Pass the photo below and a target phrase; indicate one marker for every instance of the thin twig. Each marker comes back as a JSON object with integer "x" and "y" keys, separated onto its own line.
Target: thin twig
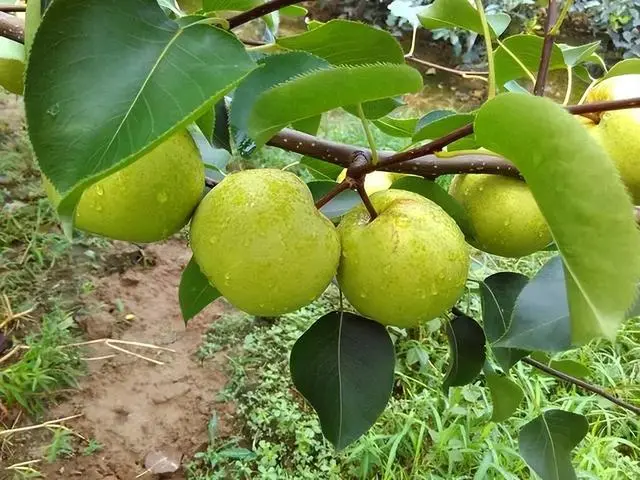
{"x": 462, "y": 73}
{"x": 11, "y": 353}
{"x": 367, "y": 132}
{"x": 13, "y": 8}
{"x": 488, "y": 42}
{"x": 339, "y": 188}
{"x": 122, "y": 342}
{"x": 367, "y": 201}
{"x": 582, "y": 384}
{"x": 128, "y": 352}
{"x": 606, "y": 106}
{"x": 547, "y": 46}
{"x": 259, "y": 11}
{"x": 40, "y": 425}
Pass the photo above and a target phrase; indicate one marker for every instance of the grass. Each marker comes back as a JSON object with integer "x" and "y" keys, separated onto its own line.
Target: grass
{"x": 423, "y": 434}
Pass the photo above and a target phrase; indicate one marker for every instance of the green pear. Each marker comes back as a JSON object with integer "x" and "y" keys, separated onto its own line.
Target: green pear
{"x": 408, "y": 265}
{"x": 146, "y": 201}
{"x": 11, "y": 66}
{"x": 261, "y": 242}
{"x": 505, "y": 218}
{"x": 618, "y": 131}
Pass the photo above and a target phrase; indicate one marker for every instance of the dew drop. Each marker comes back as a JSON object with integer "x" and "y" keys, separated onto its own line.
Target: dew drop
{"x": 98, "y": 208}
{"x": 227, "y": 277}
{"x": 363, "y": 295}
{"x": 507, "y": 223}
{"x": 99, "y": 190}
{"x": 434, "y": 293}
{"x": 162, "y": 197}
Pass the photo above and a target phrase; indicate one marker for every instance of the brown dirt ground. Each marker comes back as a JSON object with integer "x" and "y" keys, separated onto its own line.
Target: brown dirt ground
{"x": 129, "y": 405}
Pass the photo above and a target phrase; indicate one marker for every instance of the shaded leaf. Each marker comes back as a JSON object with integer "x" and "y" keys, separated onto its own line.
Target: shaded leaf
{"x": 377, "y": 108}
{"x": 324, "y": 90}
{"x": 221, "y": 137}
{"x": 85, "y": 122}
{"x": 571, "y": 367}
{"x": 343, "y": 365}
{"x": 397, "y": 127}
{"x": 595, "y": 234}
{"x": 343, "y": 42}
{"x": 438, "y": 195}
{"x": 429, "y": 130}
{"x": 576, "y": 55}
{"x": 320, "y": 169}
{"x": 308, "y": 125}
{"x": 213, "y": 158}
{"x": 506, "y": 396}
{"x": 546, "y": 443}
{"x": 340, "y": 204}
{"x": 461, "y": 14}
{"x": 195, "y": 291}
{"x": 466, "y": 349}
{"x": 274, "y": 70}
{"x": 528, "y": 49}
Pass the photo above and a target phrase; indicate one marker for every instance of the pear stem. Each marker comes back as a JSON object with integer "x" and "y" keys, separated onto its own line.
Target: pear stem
{"x": 545, "y": 58}
{"x": 366, "y": 200}
{"x": 346, "y": 184}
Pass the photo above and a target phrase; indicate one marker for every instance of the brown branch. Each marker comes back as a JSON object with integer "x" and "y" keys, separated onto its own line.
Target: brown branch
{"x": 547, "y": 46}
{"x": 11, "y": 27}
{"x": 259, "y": 11}
{"x": 367, "y": 201}
{"x": 13, "y": 8}
{"x": 582, "y": 384}
{"x": 346, "y": 184}
{"x": 606, "y": 106}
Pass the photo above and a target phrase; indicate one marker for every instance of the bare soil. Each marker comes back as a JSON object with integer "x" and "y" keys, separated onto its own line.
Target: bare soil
{"x": 132, "y": 406}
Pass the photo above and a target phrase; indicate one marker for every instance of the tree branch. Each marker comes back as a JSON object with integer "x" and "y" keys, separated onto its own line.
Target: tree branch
{"x": 367, "y": 201}
{"x": 582, "y": 384}
{"x": 13, "y": 8}
{"x": 259, "y": 11}
{"x": 11, "y": 27}
{"x": 346, "y": 184}
{"x": 547, "y": 45}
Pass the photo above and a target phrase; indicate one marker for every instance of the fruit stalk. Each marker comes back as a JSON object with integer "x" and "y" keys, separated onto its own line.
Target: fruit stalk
{"x": 11, "y": 27}
{"x": 339, "y": 188}
{"x": 260, "y": 11}
{"x": 366, "y": 200}
{"x": 545, "y": 58}
{"x": 13, "y": 8}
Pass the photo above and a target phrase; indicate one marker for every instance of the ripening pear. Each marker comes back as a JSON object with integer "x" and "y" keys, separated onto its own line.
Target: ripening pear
{"x": 406, "y": 266}
{"x": 261, "y": 242}
{"x": 505, "y": 218}
{"x": 11, "y": 66}
{"x": 618, "y": 131}
{"x": 374, "y": 181}
{"x": 148, "y": 200}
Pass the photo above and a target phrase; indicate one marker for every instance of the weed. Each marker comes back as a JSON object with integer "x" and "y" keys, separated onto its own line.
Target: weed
{"x": 92, "y": 447}
{"x": 60, "y": 446}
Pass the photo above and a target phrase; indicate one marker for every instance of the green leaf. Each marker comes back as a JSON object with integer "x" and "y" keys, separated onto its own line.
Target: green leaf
{"x": 546, "y": 443}
{"x": 438, "y": 195}
{"x": 323, "y": 90}
{"x": 320, "y": 169}
{"x": 595, "y": 234}
{"x": 625, "y": 67}
{"x": 461, "y": 14}
{"x": 528, "y": 49}
{"x": 33, "y": 17}
{"x": 12, "y": 71}
{"x": 377, "y": 108}
{"x": 430, "y": 127}
{"x": 571, "y": 367}
{"x": 397, "y": 127}
{"x": 237, "y": 453}
{"x": 342, "y": 42}
{"x": 308, "y": 125}
{"x": 343, "y": 365}
{"x": 498, "y": 294}
{"x": 229, "y": 5}
{"x": 195, "y": 291}
{"x": 294, "y": 11}
{"x": 91, "y": 111}
{"x": 506, "y": 396}
{"x": 466, "y": 350}
{"x": 274, "y": 70}
{"x": 580, "y": 54}
{"x": 337, "y": 206}
{"x": 221, "y": 137}
{"x": 214, "y": 159}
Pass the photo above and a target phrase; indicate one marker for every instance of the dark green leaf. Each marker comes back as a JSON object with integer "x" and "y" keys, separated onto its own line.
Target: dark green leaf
{"x": 576, "y": 55}
{"x": 439, "y": 195}
{"x": 221, "y": 137}
{"x": 397, "y": 127}
{"x": 343, "y": 365}
{"x": 625, "y": 67}
{"x": 595, "y": 234}
{"x": 308, "y": 125}
{"x": 206, "y": 123}
{"x": 498, "y": 294}
{"x": 506, "y": 396}
{"x": 546, "y": 443}
{"x": 528, "y": 49}
{"x": 237, "y": 453}
{"x": 466, "y": 349}
{"x": 540, "y": 319}
{"x": 323, "y": 90}
{"x": 195, "y": 291}
{"x": 433, "y": 116}
{"x": 342, "y": 42}
{"x": 339, "y": 205}
{"x": 274, "y": 70}
{"x": 429, "y": 130}
{"x": 462, "y": 14}
{"x": 377, "y": 108}
{"x": 320, "y": 169}
{"x": 91, "y": 111}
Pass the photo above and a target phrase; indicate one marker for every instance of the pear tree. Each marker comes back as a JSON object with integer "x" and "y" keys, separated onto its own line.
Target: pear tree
{"x": 136, "y": 107}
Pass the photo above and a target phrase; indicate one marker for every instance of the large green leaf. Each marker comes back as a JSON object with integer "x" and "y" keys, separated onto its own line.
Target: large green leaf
{"x": 625, "y": 67}
{"x": 498, "y": 294}
{"x": 195, "y": 291}
{"x": 323, "y": 90}
{"x": 274, "y": 70}
{"x": 596, "y": 235}
{"x": 343, "y": 365}
{"x": 397, "y": 127}
{"x": 108, "y": 81}
{"x": 337, "y": 206}
{"x": 462, "y": 14}
{"x": 528, "y": 49}
{"x": 540, "y": 319}
{"x": 342, "y": 42}
{"x": 506, "y": 396}
{"x": 466, "y": 350}
{"x": 546, "y": 443}
{"x": 438, "y": 195}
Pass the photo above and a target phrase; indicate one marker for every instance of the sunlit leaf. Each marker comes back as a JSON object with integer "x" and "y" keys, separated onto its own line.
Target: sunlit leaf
{"x": 320, "y": 169}
{"x": 462, "y": 14}
{"x": 528, "y": 49}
